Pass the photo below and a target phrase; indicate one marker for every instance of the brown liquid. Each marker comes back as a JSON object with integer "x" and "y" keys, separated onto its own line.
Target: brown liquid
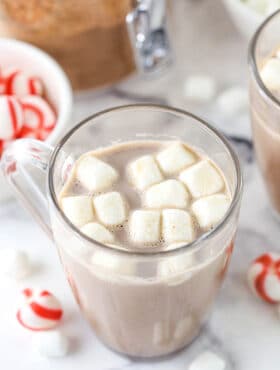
{"x": 265, "y": 118}
{"x": 141, "y": 312}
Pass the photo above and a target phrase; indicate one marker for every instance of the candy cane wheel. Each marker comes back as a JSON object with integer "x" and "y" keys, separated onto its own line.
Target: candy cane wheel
{"x": 20, "y": 84}
{"x": 39, "y": 311}
{"x": 264, "y": 277}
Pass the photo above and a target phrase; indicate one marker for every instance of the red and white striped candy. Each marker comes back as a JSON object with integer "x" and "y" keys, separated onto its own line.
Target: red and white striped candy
{"x": 20, "y": 84}
{"x": 37, "y": 113}
{"x": 264, "y": 277}
{"x": 11, "y": 117}
{"x": 2, "y": 84}
{"x": 39, "y": 311}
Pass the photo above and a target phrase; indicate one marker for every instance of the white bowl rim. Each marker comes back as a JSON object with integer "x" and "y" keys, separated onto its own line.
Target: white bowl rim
{"x": 63, "y": 81}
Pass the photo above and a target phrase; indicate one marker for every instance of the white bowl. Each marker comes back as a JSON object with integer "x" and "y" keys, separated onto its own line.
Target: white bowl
{"x": 245, "y": 18}
{"x": 59, "y": 92}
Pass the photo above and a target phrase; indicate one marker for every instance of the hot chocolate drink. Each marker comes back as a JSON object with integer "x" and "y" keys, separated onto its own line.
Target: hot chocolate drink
{"x": 140, "y": 202}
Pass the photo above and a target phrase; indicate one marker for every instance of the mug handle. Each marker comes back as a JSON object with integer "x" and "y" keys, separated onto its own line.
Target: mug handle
{"x": 25, "y": 165}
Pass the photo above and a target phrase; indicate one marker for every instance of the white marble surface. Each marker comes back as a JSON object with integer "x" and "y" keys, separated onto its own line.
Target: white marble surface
{"x": 245, "y": 331}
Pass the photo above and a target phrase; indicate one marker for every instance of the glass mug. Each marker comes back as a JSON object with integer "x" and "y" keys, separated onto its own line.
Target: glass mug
{"x": 265, "y": 109}
{"x": 132, "y": 308}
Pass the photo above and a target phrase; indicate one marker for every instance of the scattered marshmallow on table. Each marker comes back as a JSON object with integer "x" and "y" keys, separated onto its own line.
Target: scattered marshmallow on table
{"x": 11, "y": 117}
{"x": 52, "y": 343}
{"x": 78, "y": 209}
{"x": 174, "y": 158}
{"x": 177, "y": 226}
{"x": 95, "y": 175}
{"x": 98, "y": 232}
{"x": 14, "y": 263}
{"x": 110, "y": 208}
{"x": 208, "y": 361}
{"x": 169, "y": 193}
{"x": 144, "y": 226}
{"x": 113, "y": 263}
{"x": 144, "y": 172}
{"x": 264, "y": 277}
{"x": 270, "y": 73}
{"x": 233, "y": 100}
{"x": 210, "y": 210}
{"x": 201, "y": 88}
{"x": 40, "y": 310}
{"x": 202, "y": 179}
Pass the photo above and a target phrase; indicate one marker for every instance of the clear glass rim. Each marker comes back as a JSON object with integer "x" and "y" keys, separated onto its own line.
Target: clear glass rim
{"x": 252, "y": 58}
{"x": 166, "y": 109}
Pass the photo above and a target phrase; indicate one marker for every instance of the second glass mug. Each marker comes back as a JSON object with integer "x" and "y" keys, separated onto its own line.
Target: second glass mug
{"x": 265, "y": 108}
{"x": 132, "y": 308}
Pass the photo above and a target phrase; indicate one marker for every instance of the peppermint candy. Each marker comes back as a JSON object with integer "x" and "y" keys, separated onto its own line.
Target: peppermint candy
{"x": 39, "y": 311}
{"x": 11, "y": 117}
{"x": 20, "y": 84}
{"x": 38, "y": 117}
{"x": 264, "y": 277}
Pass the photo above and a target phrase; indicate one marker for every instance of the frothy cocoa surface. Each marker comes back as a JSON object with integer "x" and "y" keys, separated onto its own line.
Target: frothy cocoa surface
{"x": 120, "y": 156}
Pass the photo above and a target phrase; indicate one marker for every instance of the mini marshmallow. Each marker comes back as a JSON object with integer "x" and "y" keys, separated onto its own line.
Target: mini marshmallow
{"x": 11, "y": 117}
{"x": 113, "y": 263}
{"x": 95, "y": 175}
{"x": 202, "y": 179}
{"x": 233, "y": 100}
{"x": 210, "y": 210}
{"x": 270, "y": 73}
{"x": 14, "y": 263}
{"x": 144, "y": 227}
{"x": 174, "y": 158}
{"x": 52, "y": 343}
{"x": 78, "y": 209}
{"x": 98, "y": 232}
{"x": 201, "y": 88}
{"x": 177, "y": 226}
{"x": 110, "y": 208}
{"x": 169, "y": 193}
{"x": 144, "y": 172}
{"x": 208, "y": 361}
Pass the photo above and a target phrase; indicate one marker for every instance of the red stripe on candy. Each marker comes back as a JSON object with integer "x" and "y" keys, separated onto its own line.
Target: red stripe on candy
{"x": 45, "y": 293}
{"x": 9, "y": 83}
{"x": 266, "y": 261}
{"x": 31, "y": 86}
{"x": 29, "y": 327}
{"x": 46, "y": 313}
{"x": 27, "y": 292}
